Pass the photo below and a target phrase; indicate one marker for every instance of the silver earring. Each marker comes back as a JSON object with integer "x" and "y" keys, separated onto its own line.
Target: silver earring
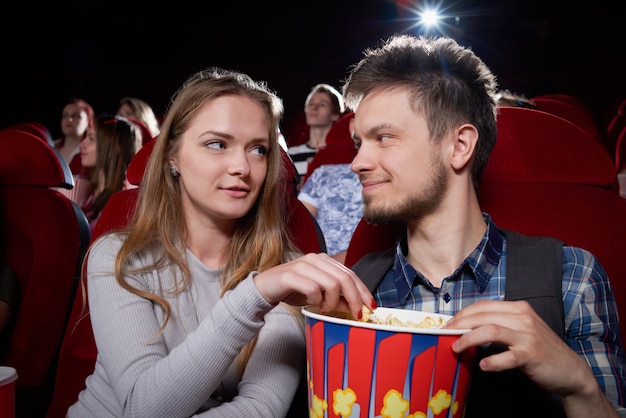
{"x": 173, "y": 171}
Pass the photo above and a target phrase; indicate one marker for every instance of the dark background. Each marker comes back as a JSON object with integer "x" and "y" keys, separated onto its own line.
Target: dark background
{"x": 105, "y": 50}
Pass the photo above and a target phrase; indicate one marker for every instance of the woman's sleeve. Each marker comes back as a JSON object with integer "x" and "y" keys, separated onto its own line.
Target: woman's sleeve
{"x": 273, "y": 372}
{"x": 151, "y": 379}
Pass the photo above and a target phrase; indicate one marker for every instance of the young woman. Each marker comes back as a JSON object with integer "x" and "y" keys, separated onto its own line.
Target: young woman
{"x": 76, "y": 119}
{"x": 136, "y": 109}
{"x": 106, "y": 150}
{"x": 186, "y": 303}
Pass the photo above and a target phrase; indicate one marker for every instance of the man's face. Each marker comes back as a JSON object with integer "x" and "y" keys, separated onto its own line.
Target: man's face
{"x": 400, "y": 168}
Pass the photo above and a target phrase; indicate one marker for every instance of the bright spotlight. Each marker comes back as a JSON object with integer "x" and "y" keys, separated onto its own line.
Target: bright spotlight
{"x": 429, "y": 18}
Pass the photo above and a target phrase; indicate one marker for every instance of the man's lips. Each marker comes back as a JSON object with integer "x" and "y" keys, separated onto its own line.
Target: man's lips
{"x": 372, "y": 184}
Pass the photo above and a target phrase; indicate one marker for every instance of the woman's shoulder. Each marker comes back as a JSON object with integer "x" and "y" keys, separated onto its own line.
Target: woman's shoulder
{"x": 105, "y": 246}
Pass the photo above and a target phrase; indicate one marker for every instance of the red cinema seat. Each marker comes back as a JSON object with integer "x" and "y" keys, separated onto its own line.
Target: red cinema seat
{"x": 36, "y": 128}
{"x": 616, "y": 126}
{"x": 567, "y": 98}
{"x": 545, "y": 177}
{"x": 575, "y": 113}
{"x": 46, "y": 238}
{"x": 339, "y": 147}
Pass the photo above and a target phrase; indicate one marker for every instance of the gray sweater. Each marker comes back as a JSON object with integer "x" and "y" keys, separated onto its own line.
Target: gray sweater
{"x": 191, "y": 366}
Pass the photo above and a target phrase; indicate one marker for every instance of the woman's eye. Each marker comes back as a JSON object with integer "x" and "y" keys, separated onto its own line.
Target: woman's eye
{"x": 218, "y": 145}
{"x": 260, "y": 150}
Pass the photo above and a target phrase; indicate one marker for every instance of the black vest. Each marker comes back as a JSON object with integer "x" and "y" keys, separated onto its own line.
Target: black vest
{"x": 534, "y": 272}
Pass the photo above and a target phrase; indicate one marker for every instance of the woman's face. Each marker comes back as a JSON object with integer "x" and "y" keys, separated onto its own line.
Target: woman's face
{"x": 222, "y": 161}
{"x": 126, "y": 111}
{"x": 88, "y": 149}
{"x": 74, "y": 120}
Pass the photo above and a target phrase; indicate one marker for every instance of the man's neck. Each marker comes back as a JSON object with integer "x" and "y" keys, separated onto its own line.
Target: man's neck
{"x": 317, "y": 136}
{"x": 438, "y": 245}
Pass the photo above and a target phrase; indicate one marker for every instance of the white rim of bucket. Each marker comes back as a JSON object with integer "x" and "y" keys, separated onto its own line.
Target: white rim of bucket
{"x": 7, "y": 375}
{"x": 402, "y": 314}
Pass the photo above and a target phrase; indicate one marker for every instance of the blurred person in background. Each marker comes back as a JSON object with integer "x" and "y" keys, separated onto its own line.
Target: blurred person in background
{"x": 133, "y": 108}
{"x": 332, "y": 193}
{"x": 77, "y": 117}
{"x": 323, "y": 107}
{"x": 107, "y": 151}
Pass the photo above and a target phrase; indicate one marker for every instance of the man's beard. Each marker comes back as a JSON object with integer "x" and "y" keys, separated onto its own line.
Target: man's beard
{"x": 413, "y": 207}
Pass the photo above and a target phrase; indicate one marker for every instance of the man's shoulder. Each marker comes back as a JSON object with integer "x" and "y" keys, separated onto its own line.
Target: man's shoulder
{"x": 372, "y": 267}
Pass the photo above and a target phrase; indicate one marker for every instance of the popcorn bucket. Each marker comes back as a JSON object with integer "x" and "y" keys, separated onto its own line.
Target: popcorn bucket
{"x": 8, "y": 376}
{"x": 365, "y": 370}
{"x": 79, "y": 193}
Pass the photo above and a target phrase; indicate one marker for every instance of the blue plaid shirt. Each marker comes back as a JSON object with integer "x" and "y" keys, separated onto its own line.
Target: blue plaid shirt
{"x": 591, "y": 318}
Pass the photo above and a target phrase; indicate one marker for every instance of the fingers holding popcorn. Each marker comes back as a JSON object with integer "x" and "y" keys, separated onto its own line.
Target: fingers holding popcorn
{"x": 315, "y": 279}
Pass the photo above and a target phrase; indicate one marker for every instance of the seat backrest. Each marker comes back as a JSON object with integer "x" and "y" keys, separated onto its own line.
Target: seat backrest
{"x": 369, "y": 238}
{"x": 620, "y": 162}
{"x": 564, "y": 190}
{"x": 136, "y": 167}
{"x": 581, "y": 117}
{"x": 339, "y": 147}
{"x": 567, "y": 98}
{"x": 47, "y": 236}
{"x": 620, "y": 151}
{"x": 616, "y": 125}
{"x": 539, "y": 147}
{"x": 36, "y": 128}
{"x": 79, "y": 352}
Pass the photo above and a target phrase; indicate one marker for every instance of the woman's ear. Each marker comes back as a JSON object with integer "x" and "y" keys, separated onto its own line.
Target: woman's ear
{"x": 464, "y": 145}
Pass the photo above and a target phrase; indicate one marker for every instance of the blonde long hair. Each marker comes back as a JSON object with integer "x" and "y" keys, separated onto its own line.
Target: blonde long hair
{"x": 260, "y": 241}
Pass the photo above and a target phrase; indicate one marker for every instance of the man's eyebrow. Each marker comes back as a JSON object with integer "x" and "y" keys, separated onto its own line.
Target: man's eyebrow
{"x": 373, "y": 130}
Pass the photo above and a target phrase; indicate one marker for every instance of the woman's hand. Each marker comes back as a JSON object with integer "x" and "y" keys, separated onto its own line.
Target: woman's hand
{"x": 315, "y": 279}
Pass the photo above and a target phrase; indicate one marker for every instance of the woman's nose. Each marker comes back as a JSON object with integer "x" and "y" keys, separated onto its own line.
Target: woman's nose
{"x": 239, "y": 164}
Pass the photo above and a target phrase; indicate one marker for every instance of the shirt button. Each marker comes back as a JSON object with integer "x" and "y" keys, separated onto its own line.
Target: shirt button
{"x": 447, "y": 297}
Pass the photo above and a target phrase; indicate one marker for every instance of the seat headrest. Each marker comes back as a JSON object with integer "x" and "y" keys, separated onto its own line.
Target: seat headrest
{"x": 538, "y": 147}
{"x": 26, "y": 160}
{"x": 137, "y": 165}
{"x": 340, "y": 131}
{"x": 36, "y": 128}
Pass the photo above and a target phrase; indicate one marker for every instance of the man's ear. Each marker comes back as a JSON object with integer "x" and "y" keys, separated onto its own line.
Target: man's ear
{"x": 466, "y": 137}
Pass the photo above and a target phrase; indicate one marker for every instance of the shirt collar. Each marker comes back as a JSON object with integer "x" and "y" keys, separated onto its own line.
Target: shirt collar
{"x": 482, "y": 262}
{"x": 485, "y": 258}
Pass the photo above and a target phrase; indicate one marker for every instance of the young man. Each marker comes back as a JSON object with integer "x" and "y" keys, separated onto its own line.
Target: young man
{"x": 323, "y": 107}
{"x": 425, "y": 125}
